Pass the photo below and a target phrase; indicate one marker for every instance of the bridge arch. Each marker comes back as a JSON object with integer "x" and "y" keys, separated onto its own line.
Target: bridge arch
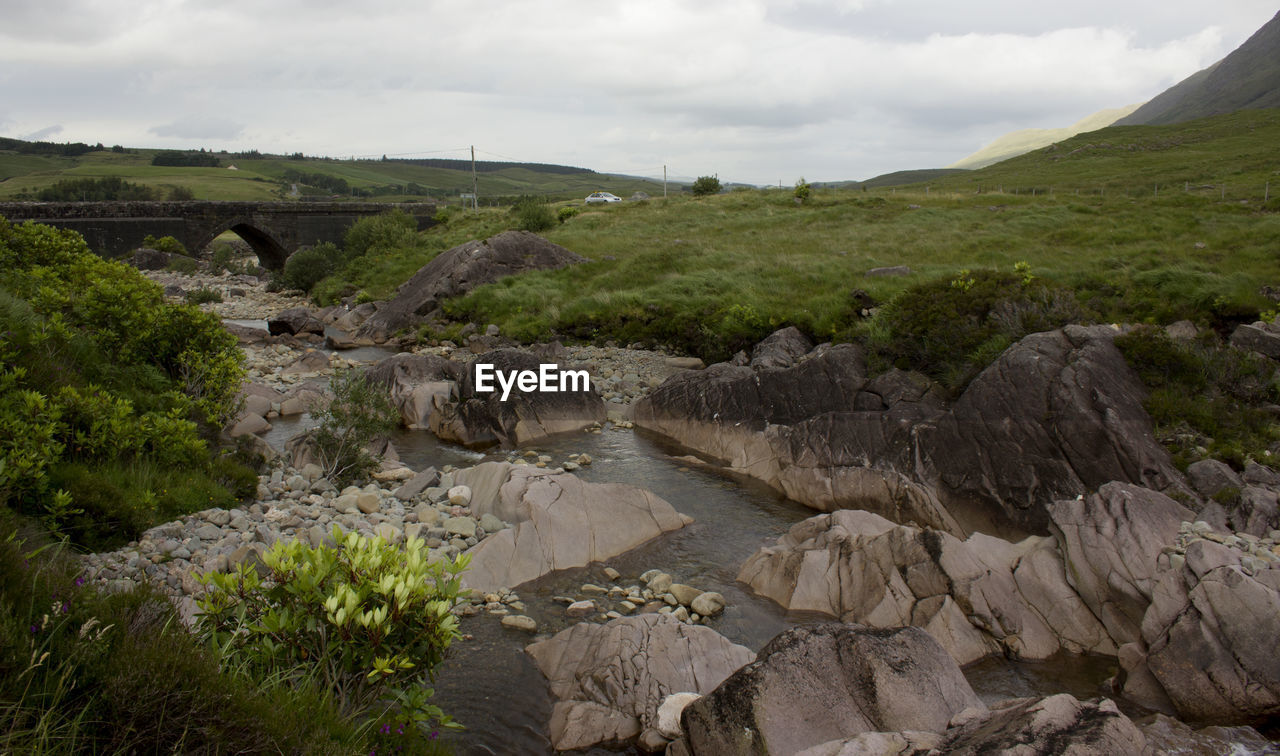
{"x": 271, "y": 251}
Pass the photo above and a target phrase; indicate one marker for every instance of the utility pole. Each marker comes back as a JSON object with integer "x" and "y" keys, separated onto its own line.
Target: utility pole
{"x": 475, "y": 183}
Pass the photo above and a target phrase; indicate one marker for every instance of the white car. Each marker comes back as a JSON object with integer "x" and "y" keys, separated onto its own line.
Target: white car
{"x": 596, "y": 198}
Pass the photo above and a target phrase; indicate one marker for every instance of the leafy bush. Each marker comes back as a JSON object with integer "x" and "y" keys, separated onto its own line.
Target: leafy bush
{"x": 380, "y": 234}
{"x": 950, "y": 329}
{"x": 704, "y": 185}
{"x": 1207, "y": 399}
{"x": 167, "y": 244}
{"x": 83, "y": 672}
{"x": 370, "y": 621}
{"x": 803, "y": 190}
{"x": 202, "y": 295}
{"x": 360, "y": 413}
{"x": 112, "y": 377}
{"x": 184, "y": 265}
{"x": 533, "y": 214}
{"x": 306, "y": 267}
{"x": 567, "y": 212}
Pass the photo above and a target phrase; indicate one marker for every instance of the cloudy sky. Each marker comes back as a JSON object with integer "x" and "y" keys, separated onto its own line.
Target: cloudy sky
{"x": 757, "y": 91}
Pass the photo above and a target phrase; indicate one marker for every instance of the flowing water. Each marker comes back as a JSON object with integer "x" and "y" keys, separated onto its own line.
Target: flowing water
{"x": 493, "y": 688}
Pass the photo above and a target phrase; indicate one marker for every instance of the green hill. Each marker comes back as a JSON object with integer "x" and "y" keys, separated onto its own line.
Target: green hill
{"x": 1021, "y": 142}
{"x": 1230, "y": 156}
{"x": 1247, "y": 78}
{"x": 27, "y": 168}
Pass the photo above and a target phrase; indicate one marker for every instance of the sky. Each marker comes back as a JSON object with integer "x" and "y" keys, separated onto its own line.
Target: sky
{"x": 753, "y": 91}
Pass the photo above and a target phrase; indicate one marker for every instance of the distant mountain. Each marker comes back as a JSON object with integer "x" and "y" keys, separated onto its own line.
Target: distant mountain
{"x": 1247, "y": 78}
{"x": 1021, "y": 142}
{"x": 897, "y": 178}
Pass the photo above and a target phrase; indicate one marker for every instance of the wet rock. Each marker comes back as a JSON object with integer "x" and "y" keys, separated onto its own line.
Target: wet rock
{"x": 1260, "y": 337}
{"x": 559, "y": 521}
{"x": 483, "y": 418}
{"x": 295, "y": 321}
{"x": 610, "y": 679}
{"x": 1111, "y": 540}
{"x": 1207, "y": 645}
{"x": 1056, "y": 724}
{"x": 1209, "y": 476}
{"x": 813, "y": 685}
{"x": 975, "y": 597}
{"x": 520, "y": 622}
{"x": 417, "y": 384}
{"x": 810, "y": 432}
{"x": 781, "y": 349}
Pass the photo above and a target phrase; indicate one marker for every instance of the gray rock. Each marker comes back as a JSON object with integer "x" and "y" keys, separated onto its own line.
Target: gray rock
{"x": 610, "y": 679}
{"x": 708, "y": 604}
{"x": 367, "y": 502}
{"x": 669, "y": 712}
{"x": 460, "y": 526}
{"x": 781, "y": 349}
{"x": 1259, "y": 337}
{"x": 559, "y": 521}
{"x": 1056, "y": 724}
{"x": 520, "y": 622}
{"x": 482, "y": 418}
{"x": 813, "y": 685}
{"x": 1209, "y": 476}
{"x": 295, "y": 321}
{"x": 417, "y": 484}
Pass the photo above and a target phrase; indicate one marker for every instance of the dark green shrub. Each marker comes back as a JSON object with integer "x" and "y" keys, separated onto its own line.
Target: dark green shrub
{"x": 533, "y": 215}
{"x": 803, "y": 190}
{"x": 950, "y": 329}
{"x": 565, "y": 213}
{"x": 184, "y": 265}
{"x": 164, "y": 244}
{"x": 704, "y": 185}
{"x": 306, "y": 267}
{"x": 203, "y": 295}
{"x": 1208, "y": 399}
{"x": 380, "y": 233}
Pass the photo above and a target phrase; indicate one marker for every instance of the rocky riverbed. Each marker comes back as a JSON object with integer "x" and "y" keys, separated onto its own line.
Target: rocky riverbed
{"x": 1123, "y": 569}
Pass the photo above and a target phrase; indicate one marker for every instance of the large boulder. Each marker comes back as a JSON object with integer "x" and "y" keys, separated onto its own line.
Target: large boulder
{"x": 813, "y": 685}
{"x": 483, "y": 418}
{"x": 611, "y": 679}
{"x": 1111, "y": 541}
{"x": 1057, "y": 415}
{"x": 417, "y": 383}
{"x": 975, "y": 597}
{"x": 1208, "y": 640}
{"x": 459, "y": 270}
{"x": 294, "y": 321}
{"x": 560, "y": 521}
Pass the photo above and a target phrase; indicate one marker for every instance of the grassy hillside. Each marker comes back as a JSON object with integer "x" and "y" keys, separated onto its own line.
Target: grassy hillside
{"x": 1021, "y": 142}
{"x": 1247, "y": 78}
{"x": 1236, "y": 151}
{"x": 269, "y": 178}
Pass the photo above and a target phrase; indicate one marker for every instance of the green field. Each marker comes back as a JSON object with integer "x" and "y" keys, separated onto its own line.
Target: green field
{"x": 263, "y": 178}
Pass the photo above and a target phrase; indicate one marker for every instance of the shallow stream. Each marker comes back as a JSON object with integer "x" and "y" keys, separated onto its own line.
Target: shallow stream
{"x": 493, "y": 688}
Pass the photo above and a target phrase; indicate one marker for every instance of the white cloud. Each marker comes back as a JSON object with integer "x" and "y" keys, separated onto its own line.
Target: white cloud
{"x": 747, "y": 88}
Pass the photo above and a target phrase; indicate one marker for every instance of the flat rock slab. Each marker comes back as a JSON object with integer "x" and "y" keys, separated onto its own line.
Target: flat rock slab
{"x": 559, "y": 521}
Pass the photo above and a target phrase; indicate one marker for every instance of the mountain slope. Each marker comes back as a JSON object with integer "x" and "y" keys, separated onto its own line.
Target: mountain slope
{"x": 1247, "y": 78}
{"x": 1025, "y": 140}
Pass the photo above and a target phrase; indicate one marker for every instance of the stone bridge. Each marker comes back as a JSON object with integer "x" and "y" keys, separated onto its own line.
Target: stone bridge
{"x": 274, "y": 230}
